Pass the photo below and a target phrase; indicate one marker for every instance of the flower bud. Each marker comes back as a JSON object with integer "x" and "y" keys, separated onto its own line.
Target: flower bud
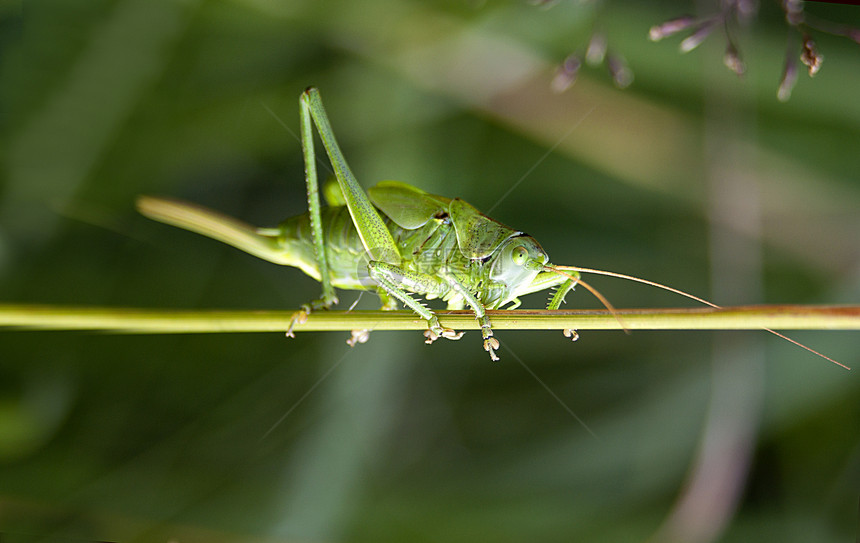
{"x": 622, "y": 76}
{"x": 673, "y": 26}
{"x": 810, "y": 55}
{"x": 596, "y": 51}
{"x": 732, "y": 60}
{"x": 566, "y": 74}
{"x": 793, "y": 11}
{"x": 789, "y": 78}
{"x": 696, "y": 38}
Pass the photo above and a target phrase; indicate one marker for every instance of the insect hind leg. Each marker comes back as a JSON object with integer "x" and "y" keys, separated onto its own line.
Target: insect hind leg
{"x": 387, "y": 302}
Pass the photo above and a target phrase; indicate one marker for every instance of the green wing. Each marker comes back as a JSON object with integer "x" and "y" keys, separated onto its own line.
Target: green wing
{"x": 409, "y": 207}
{"x": 478, "y": 236}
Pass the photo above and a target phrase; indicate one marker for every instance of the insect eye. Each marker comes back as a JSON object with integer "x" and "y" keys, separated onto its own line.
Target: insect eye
{"x": 519, "y": 255}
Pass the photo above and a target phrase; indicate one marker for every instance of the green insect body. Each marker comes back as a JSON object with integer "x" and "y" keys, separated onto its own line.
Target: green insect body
{"x": 395, "y": 239}
{"x": 400, "y": 241}
{"x": 429, "y": 244}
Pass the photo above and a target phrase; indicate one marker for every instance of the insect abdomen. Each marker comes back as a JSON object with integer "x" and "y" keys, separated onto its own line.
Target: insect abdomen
{"x": 342, "y": 245}
{"x": 423, "y": 249}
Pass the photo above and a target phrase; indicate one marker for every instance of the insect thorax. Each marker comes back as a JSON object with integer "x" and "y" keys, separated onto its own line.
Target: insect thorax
{"x": 430, "y": 249}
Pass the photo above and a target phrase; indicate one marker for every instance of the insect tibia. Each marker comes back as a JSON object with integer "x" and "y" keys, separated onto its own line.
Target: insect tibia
{"x": 559, "y": 292}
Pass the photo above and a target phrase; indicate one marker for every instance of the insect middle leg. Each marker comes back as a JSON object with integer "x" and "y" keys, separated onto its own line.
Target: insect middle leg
{"x": 398, "y": 283}
{"x": 491, "y": 344}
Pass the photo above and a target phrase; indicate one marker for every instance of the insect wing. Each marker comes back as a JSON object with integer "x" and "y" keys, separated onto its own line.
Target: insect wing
{"x": 407, "y": 206}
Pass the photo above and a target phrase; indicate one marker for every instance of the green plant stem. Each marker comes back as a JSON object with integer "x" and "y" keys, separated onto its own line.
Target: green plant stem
{"x": 160, "y": 321}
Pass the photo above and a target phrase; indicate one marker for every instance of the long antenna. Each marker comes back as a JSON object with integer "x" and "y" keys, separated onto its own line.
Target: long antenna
{"x": 686, "y": 295}
{"x": 596, "y": 293}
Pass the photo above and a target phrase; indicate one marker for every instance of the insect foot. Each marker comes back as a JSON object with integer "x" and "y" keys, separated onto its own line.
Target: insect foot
{"x": 491, "y": 345}
{"x": 435, "y": 332}
{"x": 299, "y": 317}
{"x": 358, "y": 336}
{"x": 572, "y": 334}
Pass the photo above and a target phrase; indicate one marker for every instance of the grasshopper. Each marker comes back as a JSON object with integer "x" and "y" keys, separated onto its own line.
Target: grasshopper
{"x": 395, "y": 239}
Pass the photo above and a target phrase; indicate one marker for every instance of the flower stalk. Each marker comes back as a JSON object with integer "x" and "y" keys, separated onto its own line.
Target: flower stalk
{"x": 166, "y": 321}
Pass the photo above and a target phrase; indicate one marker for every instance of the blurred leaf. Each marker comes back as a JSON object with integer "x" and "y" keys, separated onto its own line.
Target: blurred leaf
{"x": 175, "y": 438}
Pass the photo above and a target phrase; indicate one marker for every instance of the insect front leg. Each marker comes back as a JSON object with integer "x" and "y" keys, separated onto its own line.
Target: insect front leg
{"x": 398, "y": 283}
{"x": 515, "y": 303}
{"x": 558, "y": 299}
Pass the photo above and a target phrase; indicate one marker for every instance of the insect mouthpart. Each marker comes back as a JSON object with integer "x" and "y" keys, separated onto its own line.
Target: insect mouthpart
{"x": 536, "y": 264}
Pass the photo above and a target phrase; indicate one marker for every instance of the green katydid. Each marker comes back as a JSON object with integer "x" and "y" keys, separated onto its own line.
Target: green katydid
{"x": 420, "y": 244}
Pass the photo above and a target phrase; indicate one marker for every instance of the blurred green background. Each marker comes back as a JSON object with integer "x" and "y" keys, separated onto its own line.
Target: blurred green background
{"x": 692, "y": 177}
